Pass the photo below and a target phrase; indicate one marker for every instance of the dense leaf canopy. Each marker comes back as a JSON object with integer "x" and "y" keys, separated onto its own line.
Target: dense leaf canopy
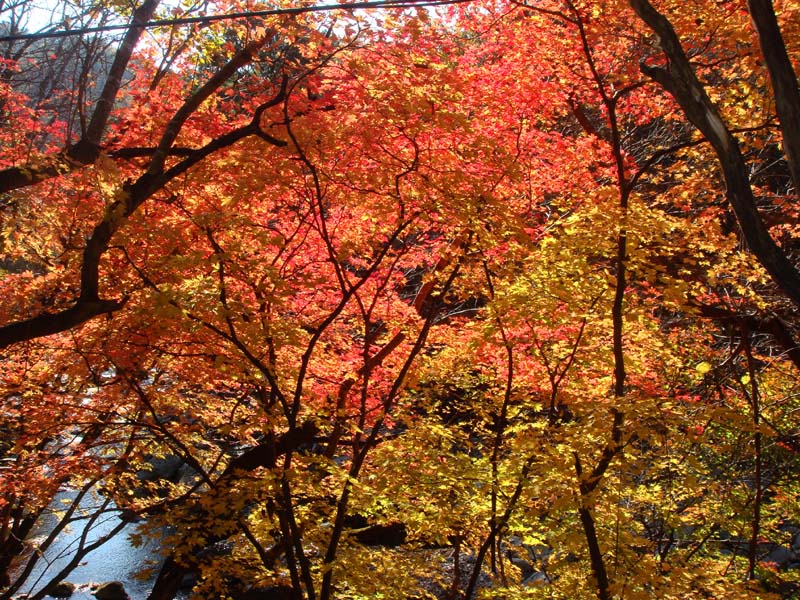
{"x": 473, "y": 299}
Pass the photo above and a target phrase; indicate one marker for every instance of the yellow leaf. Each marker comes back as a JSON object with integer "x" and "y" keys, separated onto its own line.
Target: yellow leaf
{"x": 703, "y": 367}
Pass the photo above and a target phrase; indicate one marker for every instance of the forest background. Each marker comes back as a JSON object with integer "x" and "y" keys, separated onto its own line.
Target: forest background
{"x": 491, "y": 298}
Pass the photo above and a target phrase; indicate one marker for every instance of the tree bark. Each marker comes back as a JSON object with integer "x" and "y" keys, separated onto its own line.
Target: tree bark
{"x": 86, "y": 150}
{"x": 88, "y": 304}
{"x": 784, "y": 81}
{"x": 680, "y": 80}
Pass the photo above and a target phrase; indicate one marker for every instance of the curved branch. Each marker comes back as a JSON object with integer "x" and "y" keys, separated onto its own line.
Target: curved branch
{"x": 680, "y": 80}
{"x": 86, "y": 150}
{"x": 50, "y": 323}
{"x": 89, "y": 304}
{"x": 173, "y": 128}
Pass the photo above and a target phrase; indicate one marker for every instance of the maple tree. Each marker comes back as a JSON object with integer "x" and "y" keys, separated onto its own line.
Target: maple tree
{"x": 427, "y": 302}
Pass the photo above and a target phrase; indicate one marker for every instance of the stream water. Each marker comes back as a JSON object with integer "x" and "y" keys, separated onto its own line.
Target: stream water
{"x": 116, "y": 560}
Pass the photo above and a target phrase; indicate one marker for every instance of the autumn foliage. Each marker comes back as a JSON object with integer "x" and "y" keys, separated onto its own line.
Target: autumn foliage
{"x": 481, "y": 299}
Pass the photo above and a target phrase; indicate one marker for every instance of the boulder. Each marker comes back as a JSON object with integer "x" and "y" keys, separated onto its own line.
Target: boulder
{"x": 780, "y": 556}
{"x": 188, "y": 581}
{"x": 113, "y": 590}
{"x": 539, "y": 578}
{"x": 525, "y": 568}
{"x": 274, "y": 592}
{"x": 161, "y": 467}
{"x": 389, "y": 535}
{"x": 63, "y": 589}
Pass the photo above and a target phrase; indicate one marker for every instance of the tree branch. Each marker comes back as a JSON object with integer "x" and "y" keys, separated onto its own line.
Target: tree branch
{"x": 680, "y": 80}
{"x": 784, "y": 81}
{"x": 86, "y": 150}
{"x": 50, "y": 323}
{"x": 88, "y": 304}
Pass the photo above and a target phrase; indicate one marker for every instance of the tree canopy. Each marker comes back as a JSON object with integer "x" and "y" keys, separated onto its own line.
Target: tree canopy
{"x": 473, "y": 299}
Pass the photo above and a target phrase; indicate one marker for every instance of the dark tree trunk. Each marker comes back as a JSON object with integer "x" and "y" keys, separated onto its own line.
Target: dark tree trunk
{"x": 680, "y": 80}
{"x": 784, "y": 81}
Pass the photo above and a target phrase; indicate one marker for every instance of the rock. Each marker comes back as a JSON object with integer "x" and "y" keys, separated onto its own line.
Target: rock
{"x": 796, "y": 542}
{"x": 537, "y": 579}
{"x": 786, "y": 589}
{"x": 188, "y": 581}
{"x": 274, "y": 592}
{"x": 113, "y": 590}
{"x": 525, "y": 568}
{"x": 167, "y": 467}
{"x": 780, "y": 556}
{"x": 63, "y": 589}
{"x": 389, "y": 535}
{"x": 156, "y": 472}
